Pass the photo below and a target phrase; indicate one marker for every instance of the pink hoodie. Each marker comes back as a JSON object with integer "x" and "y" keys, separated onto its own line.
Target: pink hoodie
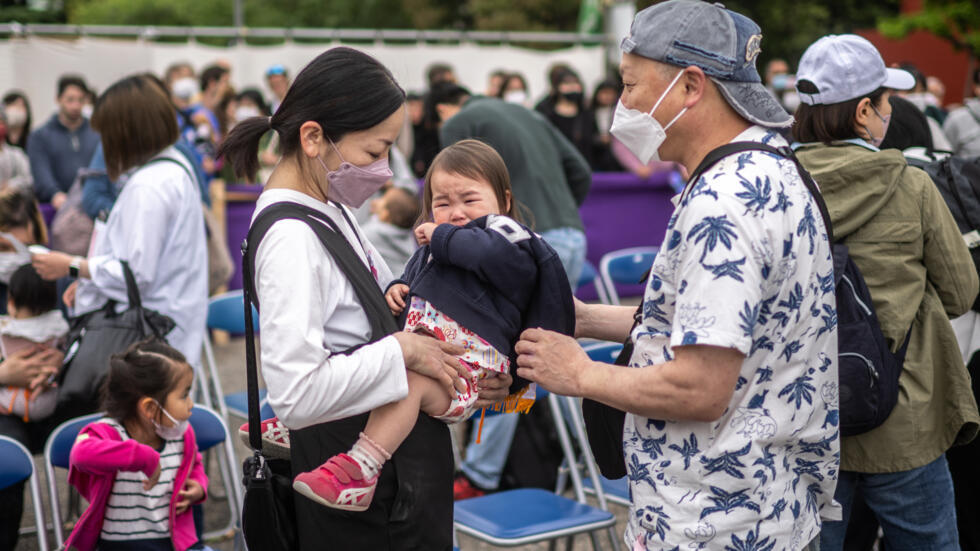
{"x": 98, "y": 454}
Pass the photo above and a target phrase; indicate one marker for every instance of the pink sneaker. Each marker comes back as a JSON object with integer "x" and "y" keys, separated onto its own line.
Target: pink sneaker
{"x": 275, "y": 438}
{"x": 338, "y": 483}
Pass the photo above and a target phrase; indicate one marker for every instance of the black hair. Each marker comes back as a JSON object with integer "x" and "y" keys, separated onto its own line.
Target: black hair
{"x": 146, "y": 368}
{"x": 10, "y": 98}
{"x": 920, "y": 79}
{"x": 908, "y": 126}
{"x": 608, "y": 84}
{"x": 255, "y": 97}
{"x": 343, "y": 90}
{"x": 29, "y": 291}
{"x": 71, "y": 80}
{"x": 828, "y": 123}
{"x": 403, "y": 207}
{"x": 435, "y": 73}
{"x": 441, "y": 94}
{"x": 976, "y": 79}
{"x": 212, "y": 73}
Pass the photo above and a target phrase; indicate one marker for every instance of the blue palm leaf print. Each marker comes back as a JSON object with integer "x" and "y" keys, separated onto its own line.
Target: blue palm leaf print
{"x": 726, "y": 502}
{"x": 790, "y": 349}
{"x": 639, "y": 471}
{"x": 826, "y": 282}
{"x": 794, "y": 301}
{"x": 806, "y": 468}
{"x": 713, "y": 230}
{"x": 818, "y": 448}
{"x": 812, "y": 493}
{"x": 782, "y": 200}
{"x": 653, "y": 447}
{"x": 756, "y": 195}
{"x": 651, "y": 309}
{"x": 688, "y": 450}
{"x": 762, "y": 343}
{"x": 829, "y": 319}
{"x": 767, "y": 463}
{"x": 751, "y": 542}
{"x": 777, "y": 509}
{"x": 808, "y": 227}
{"x": 744, "y": 159}
{"x": 728, "y": 268}
{"x": 674, "y": 240}
{"x": 749, "y": 316}
{"x": 764, "y": 373}
{"x": 765, "y": 309}
{"x": 798, "y": 391}
{"x": 700, "y": 188}
{"x": 727, "y": 462}
{"x": 758, "y": 400}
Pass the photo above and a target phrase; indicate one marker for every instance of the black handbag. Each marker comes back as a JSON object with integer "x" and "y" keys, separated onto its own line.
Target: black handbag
{"x": 95, "y": 336}
{"x": 269, "y": 513}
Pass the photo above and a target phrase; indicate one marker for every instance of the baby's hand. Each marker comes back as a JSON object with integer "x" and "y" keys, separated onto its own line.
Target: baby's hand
{"x": 423, "y": 233}
{"x": 152, "y": 481}
{"x": 396, "y": 298}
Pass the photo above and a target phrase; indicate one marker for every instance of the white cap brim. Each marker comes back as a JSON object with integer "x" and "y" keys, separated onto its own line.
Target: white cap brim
{"x": 897, "y": 79}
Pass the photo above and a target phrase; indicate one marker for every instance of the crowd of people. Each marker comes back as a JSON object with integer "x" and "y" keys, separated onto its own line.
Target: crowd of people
{"x": 432, "y": 301}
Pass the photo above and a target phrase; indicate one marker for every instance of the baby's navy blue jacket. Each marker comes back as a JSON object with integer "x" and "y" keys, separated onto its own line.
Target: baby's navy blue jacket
{"x": 494, "y": 277}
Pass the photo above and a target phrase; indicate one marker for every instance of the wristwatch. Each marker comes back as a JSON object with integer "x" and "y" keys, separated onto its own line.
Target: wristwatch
{"x": 73, "y": 267}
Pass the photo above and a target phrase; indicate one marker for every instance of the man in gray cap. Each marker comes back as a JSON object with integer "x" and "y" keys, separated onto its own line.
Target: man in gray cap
{"x": 730, "y": 438}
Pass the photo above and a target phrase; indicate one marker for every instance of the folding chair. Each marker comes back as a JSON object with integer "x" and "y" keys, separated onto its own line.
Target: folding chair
{"x": 626, "y": 267}
{"x": 210, "y": 430}
{"x": 590, "y": 275}
{"x": 226, "y": 313}
{"x": 57, "y": 450}
{"x": 528, "y": 515}
{"x": 18, "y": 466}
{"x": 617, "y": 491}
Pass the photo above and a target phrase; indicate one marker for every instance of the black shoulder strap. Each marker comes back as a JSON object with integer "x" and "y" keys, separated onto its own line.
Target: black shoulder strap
{"x": 365, "y": 287}
{"x": 717, "y": 154}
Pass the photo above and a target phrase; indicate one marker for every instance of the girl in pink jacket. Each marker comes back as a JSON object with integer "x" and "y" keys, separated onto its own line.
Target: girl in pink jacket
{"x": 138, "y": 466}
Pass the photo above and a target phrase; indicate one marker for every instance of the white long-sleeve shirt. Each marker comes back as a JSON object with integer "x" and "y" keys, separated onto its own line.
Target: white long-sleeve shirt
{"x": 310, "y": 314}
{"x": 157, "y": 226}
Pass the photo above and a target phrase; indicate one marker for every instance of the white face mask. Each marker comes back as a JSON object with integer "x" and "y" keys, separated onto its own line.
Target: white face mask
{"x": 246, "y": 111}
{"x": 15, "y": 116}
{"x": 169, "y": 433}
{"x": 515, "y": 96}
{"x": 185, "y": 88}
{"x": 640, "y": 132}
{"x": 10, "y": 261}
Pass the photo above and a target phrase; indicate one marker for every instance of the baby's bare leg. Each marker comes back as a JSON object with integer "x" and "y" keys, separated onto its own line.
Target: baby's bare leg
{"x": 390, "y": 424}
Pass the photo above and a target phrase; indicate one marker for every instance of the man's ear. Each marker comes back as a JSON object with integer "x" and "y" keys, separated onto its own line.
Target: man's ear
{"x": 694, "y": 82}
{"x": 311, "y": 138}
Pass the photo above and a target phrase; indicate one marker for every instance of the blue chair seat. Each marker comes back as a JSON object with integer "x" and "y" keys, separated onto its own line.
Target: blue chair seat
{"x": 526, "y": 515}
{"x": 209, "y": 431}
{"x": 238, "y": 405}
{"x": 617, "y": 491}
{"x": 17, "y": 464}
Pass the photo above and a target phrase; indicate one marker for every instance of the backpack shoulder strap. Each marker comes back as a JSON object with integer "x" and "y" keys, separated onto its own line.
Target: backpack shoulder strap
{"x": 719, "y": 153}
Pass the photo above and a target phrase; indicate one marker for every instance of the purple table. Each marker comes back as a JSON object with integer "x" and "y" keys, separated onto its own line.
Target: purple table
{"x": 621, "y": 211}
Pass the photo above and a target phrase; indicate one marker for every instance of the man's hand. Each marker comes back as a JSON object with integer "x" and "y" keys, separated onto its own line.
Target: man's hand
{"x": 552, "y": 360}
{"x": 396, "y": 298}
{"x": 493, "y": 389}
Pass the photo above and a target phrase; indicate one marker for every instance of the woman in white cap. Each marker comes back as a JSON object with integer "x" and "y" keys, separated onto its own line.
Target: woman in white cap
{"x": 918, "y": 271}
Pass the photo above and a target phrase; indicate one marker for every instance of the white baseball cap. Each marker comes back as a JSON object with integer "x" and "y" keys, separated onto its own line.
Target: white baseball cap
{"x": 845, "y": 67}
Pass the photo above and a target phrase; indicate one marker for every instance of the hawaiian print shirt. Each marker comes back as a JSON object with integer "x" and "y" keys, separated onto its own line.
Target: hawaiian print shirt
{"x": 745, "y": 264}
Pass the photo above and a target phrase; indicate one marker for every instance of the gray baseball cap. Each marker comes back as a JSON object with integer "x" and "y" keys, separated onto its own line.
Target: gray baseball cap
{"x": 724, "y": 44}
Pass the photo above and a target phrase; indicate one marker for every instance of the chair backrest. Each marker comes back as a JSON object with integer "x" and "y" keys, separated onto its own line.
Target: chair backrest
{"x": 606, "y": 352}
{"x": 626, "y": 267}
{"x": 17, "y": 464}
{"x": 209, "y": 429}
{"x": 227, "y": 313}
{"x": 588, "y": 275}
{"x": 57, "y": 449}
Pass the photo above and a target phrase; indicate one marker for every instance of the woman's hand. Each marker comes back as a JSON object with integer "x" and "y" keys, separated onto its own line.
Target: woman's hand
{"x": 69, "y": 296}
{"x": 493, "y": 389}
{"x": 51, "y": 266}
{"x": 423, "y": 233}
{"x": 30, "y": 367}
{"x": 436, "y": 359}
{"x": 396, "y": 298}
{"x": 191, "y": 494}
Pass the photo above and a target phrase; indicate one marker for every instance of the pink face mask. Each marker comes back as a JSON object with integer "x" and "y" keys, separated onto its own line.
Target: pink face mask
{"x": 350, "y": 184}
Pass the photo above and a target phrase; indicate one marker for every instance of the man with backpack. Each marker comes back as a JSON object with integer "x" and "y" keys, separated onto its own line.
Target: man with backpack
{"x": 731, "y": 431}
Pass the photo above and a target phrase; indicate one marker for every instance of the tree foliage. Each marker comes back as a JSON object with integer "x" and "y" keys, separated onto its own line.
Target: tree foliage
{"x": 957, "y": 21}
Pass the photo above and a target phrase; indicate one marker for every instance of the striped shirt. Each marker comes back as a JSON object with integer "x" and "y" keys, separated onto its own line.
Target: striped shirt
{"x": 133, "y": 513}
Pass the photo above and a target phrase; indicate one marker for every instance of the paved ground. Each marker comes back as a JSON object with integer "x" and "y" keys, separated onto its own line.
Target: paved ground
{"x": 231, "y": 363}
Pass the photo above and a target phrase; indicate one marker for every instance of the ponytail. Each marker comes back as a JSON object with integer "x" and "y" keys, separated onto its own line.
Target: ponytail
{"x": 241, "y": 146}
